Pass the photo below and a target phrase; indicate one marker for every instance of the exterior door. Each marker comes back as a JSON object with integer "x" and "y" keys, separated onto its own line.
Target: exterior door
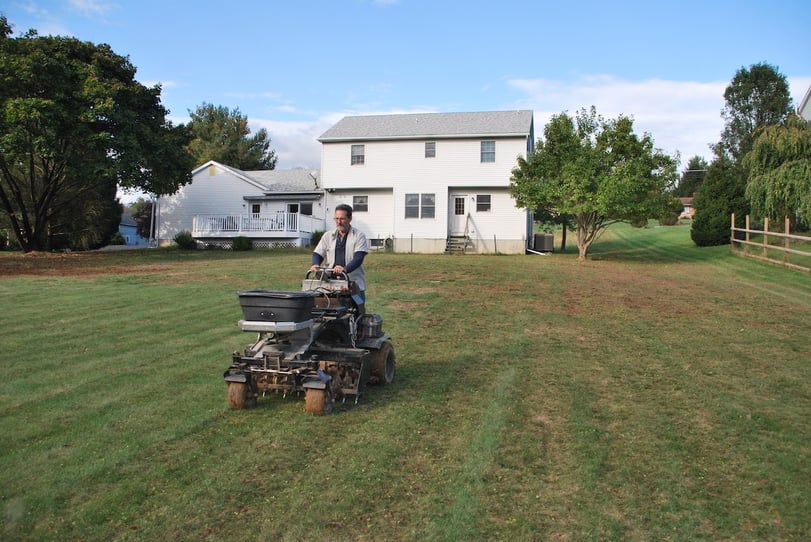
{"x": 457, "y": 214}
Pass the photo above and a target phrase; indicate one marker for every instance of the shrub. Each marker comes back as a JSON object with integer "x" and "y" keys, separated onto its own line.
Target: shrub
{"x": 316, "y": 237}
{"x": 242, "y": 243}
{"x": 639, "y": 222}
{"x": 185, "y": 241}
{"x": 669, "y": 219}
{"x": 117, "y": 239}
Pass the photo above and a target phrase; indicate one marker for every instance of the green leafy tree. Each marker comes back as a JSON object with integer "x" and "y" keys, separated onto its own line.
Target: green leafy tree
{"x": 691, "y": 178}
{"x": 144, "y": 221}
{"x": 223, "y": 136}
{"x": 87, "y": 222}
{"x": 779, "y": 167}
{"x": 756, "y": 97}
{"x": 595, "y": 170}
{"x": 74, "y": 124}
{"x": 721, "y": 194}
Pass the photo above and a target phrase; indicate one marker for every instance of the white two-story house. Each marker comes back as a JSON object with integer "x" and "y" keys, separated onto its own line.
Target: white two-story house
{"x": 431, "y": 182}
{"x": 272, "y": 208}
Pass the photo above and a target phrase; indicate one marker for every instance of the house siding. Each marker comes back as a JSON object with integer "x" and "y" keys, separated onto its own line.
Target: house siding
{"x": 221, "y": 193}
{"x": 389, "y": 163}
{"x": 401, "y": 167}
{"x": 501, "y": 217}
{"x": 377, "y": 222}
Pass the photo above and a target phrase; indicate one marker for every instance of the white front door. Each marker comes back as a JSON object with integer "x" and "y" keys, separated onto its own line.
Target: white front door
{"x": 457, "y": 214}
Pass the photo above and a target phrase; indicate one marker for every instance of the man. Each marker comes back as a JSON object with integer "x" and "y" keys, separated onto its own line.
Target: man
{"x": 343, "y": 250}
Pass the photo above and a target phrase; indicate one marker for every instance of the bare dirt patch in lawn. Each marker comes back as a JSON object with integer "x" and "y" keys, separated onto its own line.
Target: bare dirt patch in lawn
{"x": 71, "y": 264}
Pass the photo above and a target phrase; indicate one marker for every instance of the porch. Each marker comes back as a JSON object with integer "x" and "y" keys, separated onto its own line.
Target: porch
{"x": 290, "y": 229}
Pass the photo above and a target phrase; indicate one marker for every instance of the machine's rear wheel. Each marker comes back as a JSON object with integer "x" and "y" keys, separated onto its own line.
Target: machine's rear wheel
{"x": 383, "y": 365}
{"x": 238, "y": 395}
{"x": 317, "y": 401}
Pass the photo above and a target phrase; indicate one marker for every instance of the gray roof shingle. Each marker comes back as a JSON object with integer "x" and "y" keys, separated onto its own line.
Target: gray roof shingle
{"x": 431, "y": 125}
{"x": 285, "y": 180}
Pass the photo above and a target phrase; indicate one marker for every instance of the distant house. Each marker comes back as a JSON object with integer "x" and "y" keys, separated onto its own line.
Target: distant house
{"x": 273, "y": 208}
{"x": 687, "y": 208}
{"x": 129, "y": 231}
{"x": 432, "y": 182}
{"x": 804, "y": 109}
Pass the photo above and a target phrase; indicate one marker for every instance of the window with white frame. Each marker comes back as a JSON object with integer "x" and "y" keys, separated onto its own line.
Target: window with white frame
{"x": 358, "y": 155}
{"x": 488, "y": 151}
{"x": 430, "y": 149}
{"x": 420, "y": 205}
{"x": 360, "y": 204}
{"x": 482, "y": 203}
{"x": 255, "y": 208}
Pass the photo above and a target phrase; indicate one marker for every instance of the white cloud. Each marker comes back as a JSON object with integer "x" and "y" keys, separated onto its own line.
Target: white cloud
{"x": 683, "y": 116}
{"x": 91, "y": 7}
{"x": 295, "y": 142}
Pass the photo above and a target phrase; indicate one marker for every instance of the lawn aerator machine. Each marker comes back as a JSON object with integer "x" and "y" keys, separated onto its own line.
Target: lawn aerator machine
{"x": 318, "y": 341}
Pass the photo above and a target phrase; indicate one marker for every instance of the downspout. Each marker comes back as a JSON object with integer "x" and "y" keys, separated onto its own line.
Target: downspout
{"x": 152, "y": 226}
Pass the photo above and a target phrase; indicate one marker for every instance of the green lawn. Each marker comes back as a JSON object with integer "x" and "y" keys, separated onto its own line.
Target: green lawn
{"x": 657, "y": 391}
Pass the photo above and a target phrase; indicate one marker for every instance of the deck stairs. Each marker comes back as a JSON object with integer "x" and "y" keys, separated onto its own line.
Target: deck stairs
{"x": 458, "y": 244}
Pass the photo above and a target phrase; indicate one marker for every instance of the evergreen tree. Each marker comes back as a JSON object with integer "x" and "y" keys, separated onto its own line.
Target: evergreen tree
{"x": 755, "y": 98}
{"x": 721, "y": 194}
{"x": 691, "y": 178}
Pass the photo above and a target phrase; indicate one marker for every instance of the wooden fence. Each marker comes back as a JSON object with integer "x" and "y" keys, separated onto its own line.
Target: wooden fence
{"x": 756, "y": 244}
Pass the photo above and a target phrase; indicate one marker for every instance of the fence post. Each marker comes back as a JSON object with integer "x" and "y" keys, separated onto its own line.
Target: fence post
{"x": 766, "y": 237}
{"x": 732, "y": 234}
{"x": 786, "y": 240}
{"x": 746, "y": 246}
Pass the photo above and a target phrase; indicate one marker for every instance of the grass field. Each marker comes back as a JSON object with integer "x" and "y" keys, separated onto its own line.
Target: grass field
{"x": 657, "y": 391}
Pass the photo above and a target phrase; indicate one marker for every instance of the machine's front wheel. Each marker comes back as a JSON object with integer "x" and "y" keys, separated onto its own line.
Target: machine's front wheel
{"x": 238, "y": 395}
{"x": 317, "y": 401}
{"x": 383, "y": 365}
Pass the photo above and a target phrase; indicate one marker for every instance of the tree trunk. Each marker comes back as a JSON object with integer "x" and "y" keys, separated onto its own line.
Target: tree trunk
{"x": 582, "y": 242}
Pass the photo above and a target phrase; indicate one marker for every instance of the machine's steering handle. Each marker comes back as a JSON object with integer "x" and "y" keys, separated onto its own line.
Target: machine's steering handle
{"x": 323, "y": 272}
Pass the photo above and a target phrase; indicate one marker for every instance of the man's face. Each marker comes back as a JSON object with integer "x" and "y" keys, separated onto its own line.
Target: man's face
{"x": 342, "y": 221}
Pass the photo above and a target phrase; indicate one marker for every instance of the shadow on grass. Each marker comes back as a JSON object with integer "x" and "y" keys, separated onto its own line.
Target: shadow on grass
{"x": 658, "y": 245}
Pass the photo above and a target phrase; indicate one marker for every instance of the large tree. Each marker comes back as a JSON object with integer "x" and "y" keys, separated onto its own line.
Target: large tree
{"x": 74, "y": 124}
{"x": 595, "y": 170}
{"x": 224, "y": 136}
{"x": 756, "y": 97}
{"x": 779, "y": 167}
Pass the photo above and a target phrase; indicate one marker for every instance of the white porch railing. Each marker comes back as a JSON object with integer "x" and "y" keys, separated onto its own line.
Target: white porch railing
{"x": 271, "y": 223}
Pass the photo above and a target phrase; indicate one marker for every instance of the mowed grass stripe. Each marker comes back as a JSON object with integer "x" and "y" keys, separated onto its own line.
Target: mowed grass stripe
{"x": 656, "y": 395}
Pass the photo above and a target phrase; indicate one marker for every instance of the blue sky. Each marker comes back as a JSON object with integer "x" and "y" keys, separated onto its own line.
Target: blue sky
{"x": 297, "y": 67}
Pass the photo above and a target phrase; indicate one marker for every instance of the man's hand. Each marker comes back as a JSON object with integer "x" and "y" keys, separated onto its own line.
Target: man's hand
{"x": 338, "y": 269}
